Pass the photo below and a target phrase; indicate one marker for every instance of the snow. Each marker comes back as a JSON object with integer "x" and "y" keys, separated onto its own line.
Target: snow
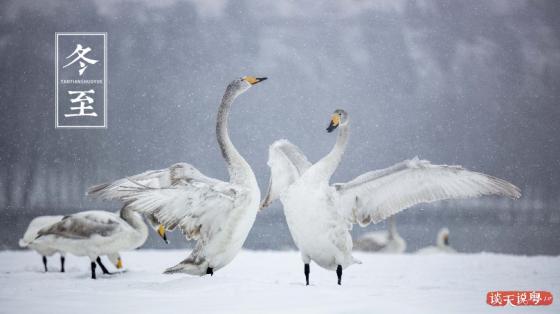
{"x": 273, "y": 282}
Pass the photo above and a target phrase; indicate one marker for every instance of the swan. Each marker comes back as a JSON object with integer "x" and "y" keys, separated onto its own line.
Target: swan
{"x": 41, "y": 222}
{"x": 382, "y": 241}
{"x": 218, "y": 214}
{"x": 442, "y": 244}
{"x": 95, "y": 233}
{"x": 320, "y": 215}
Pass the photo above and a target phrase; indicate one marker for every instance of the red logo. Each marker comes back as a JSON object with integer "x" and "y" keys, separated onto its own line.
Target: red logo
{"x": 518, "y": 298}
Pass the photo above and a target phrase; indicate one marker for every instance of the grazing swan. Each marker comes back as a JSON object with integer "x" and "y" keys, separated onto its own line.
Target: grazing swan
{"x": 442, "y": 244}
{"x": 319, "y": 215}
{"x": 41, "y": 222}
{"x": 218, "y": 214}
{"x": 95, "y": 233}
{"x": 382, "y": 241}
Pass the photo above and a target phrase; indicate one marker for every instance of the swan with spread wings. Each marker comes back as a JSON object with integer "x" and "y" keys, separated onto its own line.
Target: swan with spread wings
{"x": 218, "y": 214}
{"x": 320, "y": 215}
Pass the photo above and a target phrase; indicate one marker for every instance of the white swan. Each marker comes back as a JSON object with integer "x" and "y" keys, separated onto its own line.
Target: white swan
{"x": 95, "y": 233}
{"x": 442, "y": 244}
{"x": 41, "y": 222}
{"x": 218, "y": 214}
{"x": 319, "y": 215}
{"x": 388, "y": 241}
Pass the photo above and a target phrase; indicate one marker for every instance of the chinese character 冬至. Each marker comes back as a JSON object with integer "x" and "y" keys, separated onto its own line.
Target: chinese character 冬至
{"x": 82, "y": 98}
{"x": 81, "y": 57}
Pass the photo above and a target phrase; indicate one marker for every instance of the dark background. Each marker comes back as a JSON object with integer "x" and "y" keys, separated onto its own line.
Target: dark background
{"x": 472, "y": 83}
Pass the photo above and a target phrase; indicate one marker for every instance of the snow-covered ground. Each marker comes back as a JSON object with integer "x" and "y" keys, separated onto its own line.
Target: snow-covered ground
{"x": 273, "y": 282}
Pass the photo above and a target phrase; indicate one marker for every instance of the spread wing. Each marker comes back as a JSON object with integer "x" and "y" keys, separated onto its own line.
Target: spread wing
{"x": 287, "y": 163}
{"x": 179, "y": 196}
{"x": 84, "y": 225}
{"x": 197, "y": 208}
{"x": 163, "y": 178}
{"x": 377, "y": 195}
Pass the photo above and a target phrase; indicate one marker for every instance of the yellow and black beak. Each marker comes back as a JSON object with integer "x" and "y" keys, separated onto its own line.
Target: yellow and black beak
{"x": 253, "y": 80}
{"x": 162, "y": 234}
{"x": 119, "y": 263}
{"x": 335, "y": 121}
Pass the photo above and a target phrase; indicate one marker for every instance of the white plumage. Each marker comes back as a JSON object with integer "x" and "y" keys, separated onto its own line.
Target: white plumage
{"x": 320, "y": 215}
{"x": 217, "y": 213}
{"x": 376, "y": 195}
{"x": 48, "y": 248}
{"x": 93, "y": 234}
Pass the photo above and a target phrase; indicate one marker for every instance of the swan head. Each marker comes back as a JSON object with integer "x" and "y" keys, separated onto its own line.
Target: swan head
{"x": 161, "y": 232}
{"x": 339, "y": 117}
{"x": 156, "y": 226}
{"x": 242, "y": 84}
{"x": 115, "y": 260}
{"x": 443, "y": 237}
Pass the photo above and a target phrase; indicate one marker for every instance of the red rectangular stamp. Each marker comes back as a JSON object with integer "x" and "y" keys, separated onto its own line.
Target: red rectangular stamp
{"x": 518, "y": 298}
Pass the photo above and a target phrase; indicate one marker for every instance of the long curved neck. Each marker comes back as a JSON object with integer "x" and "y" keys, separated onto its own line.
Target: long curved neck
{"x": 239, "y": 170}
{"x": 134, "y": 219}
{"x": 329, "y": 163}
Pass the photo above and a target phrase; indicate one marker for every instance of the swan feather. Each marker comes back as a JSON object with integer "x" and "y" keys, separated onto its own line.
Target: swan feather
{"x": 377, "y": 195}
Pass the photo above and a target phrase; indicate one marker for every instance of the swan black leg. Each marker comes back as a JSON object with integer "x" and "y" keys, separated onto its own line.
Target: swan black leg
{"x": 210, "y": 271}
{"x": 103, "y": 268}
{"x": 62, "y": 263}
{"x": 45, "y": 263}
{"x": 339, "y": 274}
{"x": 306, "y": 272}
{"x": 93, "y": 270}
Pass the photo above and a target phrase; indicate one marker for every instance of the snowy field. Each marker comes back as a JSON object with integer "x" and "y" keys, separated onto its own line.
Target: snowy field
{"x": 273, "y": 282}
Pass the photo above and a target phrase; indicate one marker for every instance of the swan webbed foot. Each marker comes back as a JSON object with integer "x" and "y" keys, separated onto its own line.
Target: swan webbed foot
{"x": 339, "y": 274}
{"x": 62, "y": 264}
{"x": 93, "y": 270}
{"x": 306, "y": 272}
{"x": 103, "y": 268}
{"x": 45, "y": 263}
{"x": 210, "y": 271}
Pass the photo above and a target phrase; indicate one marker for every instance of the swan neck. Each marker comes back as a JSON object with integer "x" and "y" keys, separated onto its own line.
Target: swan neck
{"x": 134, "y": 219}
{"x": 238, "y": 168}
{"x": 333, "y": 158}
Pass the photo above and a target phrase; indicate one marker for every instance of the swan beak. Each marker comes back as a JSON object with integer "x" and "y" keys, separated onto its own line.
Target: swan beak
{"x": 119, "y": 263}
{"x": 254, "y": 80}
{"x": 335, "y": 121}
{"x": 162, "y": 234}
